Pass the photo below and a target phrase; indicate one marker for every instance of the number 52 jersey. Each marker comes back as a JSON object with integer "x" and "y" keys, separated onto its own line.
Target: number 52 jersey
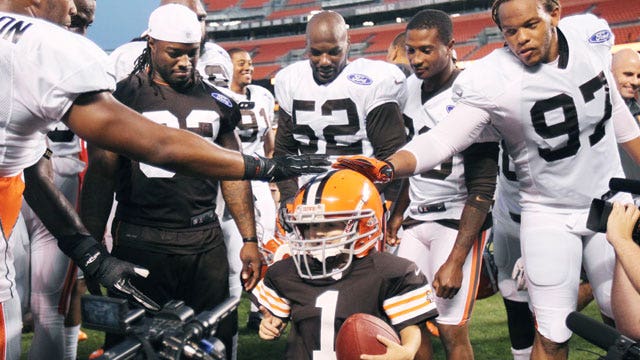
{"x": 554, "y": 117}
{"x": 332, "y": 118}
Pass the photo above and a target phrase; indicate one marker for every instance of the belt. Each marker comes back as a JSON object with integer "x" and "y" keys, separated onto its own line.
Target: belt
{"x": 428, "y": 208}
{"x": 514, "y": 217}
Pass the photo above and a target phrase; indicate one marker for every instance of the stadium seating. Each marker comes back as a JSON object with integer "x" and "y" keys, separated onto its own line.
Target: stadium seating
{"x": 218, "y": 5}
{"x": 614, "y": 13}
{"x": 627, "y": 34}
{"x": 252, "y": 4}
{"x": 287, "y": 12}
{"x": 475, "y": 33}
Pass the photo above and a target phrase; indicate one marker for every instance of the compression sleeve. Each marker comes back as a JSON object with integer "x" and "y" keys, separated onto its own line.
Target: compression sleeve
{"x": 385, "y": 129}
{"x": 459, "y": 130}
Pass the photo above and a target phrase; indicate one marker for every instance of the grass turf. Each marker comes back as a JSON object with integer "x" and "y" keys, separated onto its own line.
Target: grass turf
{"x": 489, "y": 337}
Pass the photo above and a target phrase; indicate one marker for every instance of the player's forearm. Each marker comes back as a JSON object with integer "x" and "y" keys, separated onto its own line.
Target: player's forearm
{"x": 117, "y": 128}
{"x": 627, "y": 254}
{"x": 471, "y": 222}
{"x": 239, "y": 199}
{"x": 51, "y": 206}
{"x": 96, "y": 197}
{"x": 410, "y": 338}
{"x": 401, "y": 204}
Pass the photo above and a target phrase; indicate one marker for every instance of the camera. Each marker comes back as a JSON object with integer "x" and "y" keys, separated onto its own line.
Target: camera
{"x": 175, "y": 332}
{"x": 601, "y": 208}
{"x": 618, "y": 346}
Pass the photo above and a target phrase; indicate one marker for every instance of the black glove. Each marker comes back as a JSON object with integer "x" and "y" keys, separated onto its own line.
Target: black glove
{"x": 95, "y": 262}
{"x": 279, "y": 168}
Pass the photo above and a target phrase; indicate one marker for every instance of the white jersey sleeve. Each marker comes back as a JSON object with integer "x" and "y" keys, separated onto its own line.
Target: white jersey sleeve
{"x": 44, "y": 68}
{"x": 388, "y": 83}
{"x": 461, "y": 128}
{"x": 124, "y": 57}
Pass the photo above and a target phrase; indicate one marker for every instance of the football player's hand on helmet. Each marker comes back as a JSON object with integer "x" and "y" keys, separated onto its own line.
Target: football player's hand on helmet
{"x": 518, "y": 274}
{"x": 376, "y": 170}
{"x": 283, "y": 167}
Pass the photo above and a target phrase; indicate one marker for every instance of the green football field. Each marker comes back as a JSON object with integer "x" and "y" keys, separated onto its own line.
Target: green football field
{"x": 489, "y": 337}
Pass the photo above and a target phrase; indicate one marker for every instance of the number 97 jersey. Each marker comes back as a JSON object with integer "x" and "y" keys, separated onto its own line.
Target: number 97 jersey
{"x": 332, "y": 118}
{"x": 554, "y": 117}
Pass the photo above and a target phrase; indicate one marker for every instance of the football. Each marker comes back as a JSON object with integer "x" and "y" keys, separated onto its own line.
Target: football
{"x": 357, "y": 336}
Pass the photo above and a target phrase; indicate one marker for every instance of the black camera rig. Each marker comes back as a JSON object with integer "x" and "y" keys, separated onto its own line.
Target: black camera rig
{"x": 618, "y": 346}
{"x": 174, "y": 333}
{"x": 601, "y": 208}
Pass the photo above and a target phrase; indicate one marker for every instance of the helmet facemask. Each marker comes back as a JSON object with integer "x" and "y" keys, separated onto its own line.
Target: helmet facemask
{"x": 326, "y": 256}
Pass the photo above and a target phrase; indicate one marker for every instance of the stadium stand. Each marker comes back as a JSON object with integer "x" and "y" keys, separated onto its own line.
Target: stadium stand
{"x": 251, "y": 4}
{"x": 475, "y": 33}
{"x": 218, "y": 5}
{"x": 614, "y": 13}
{"x": 288, "y": 12}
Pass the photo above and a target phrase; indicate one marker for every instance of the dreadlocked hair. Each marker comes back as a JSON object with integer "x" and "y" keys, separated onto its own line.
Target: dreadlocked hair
{"x": 143, "y": 61}
{"x": 143, "y": 64}
{"x": 548, "y": 5}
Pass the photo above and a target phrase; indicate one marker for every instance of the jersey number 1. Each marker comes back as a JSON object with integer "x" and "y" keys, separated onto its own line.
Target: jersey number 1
{"x": 327, "y": 303}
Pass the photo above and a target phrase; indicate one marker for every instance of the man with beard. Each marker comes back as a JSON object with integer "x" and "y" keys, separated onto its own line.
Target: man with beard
{"x": 164, "y": 221}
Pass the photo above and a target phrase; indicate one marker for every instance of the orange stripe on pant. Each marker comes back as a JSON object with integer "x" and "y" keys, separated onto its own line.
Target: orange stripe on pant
{"x": 476, "y": 268}
{"x": 11, "y": 189}
{"x": 3, "y": 334}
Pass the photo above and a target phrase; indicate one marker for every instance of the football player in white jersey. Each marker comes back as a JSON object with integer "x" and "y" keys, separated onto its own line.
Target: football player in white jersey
{"x": 550, "y": 95}
{"x": 51, "y": 75}
{"x": 331, "y": 106}
{"x": 49, "y": 271}
{"x": 445, "y": 209}
{"x": 257, "y": 136}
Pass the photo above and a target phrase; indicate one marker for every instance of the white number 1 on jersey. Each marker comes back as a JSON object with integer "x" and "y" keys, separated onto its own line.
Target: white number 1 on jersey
{"x": 327, "y": 303}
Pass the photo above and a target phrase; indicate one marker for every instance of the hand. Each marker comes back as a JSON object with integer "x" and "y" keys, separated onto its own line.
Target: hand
{"x": 448, "y": 280}
{"x": 394, "y": 351}
{"x": 283, "y": 167}
{"x": 115, "y": 274}
{"x": 271, "y": 327}
{"x": 518, "y": 274}
{"x": 95, "y": 262}
{"x": 393, "y": 226}
{"x": 376, "y": 170}
{"x": 621, "y": 222}
{"x": 251, "y": 264}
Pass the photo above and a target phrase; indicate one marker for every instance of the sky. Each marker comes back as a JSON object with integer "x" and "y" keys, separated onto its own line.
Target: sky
{"x": 118, "y": 21}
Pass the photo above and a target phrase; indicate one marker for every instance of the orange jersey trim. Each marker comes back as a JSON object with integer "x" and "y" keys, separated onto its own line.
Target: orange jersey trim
{"x": 11, "y": 189}
{"x": 476, "y": 269}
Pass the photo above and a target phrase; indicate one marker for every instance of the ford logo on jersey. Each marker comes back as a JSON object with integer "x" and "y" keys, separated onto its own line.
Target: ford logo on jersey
{"x": 600, "y": 37}
{"x": 360, "y": 79}
{"x": 221, "y": 98}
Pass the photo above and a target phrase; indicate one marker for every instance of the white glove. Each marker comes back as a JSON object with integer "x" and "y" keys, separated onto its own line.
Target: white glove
{"x": 518, "y": 274}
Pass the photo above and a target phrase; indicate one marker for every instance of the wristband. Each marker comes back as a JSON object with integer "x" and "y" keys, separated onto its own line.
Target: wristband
{"x": 250, "y": 239}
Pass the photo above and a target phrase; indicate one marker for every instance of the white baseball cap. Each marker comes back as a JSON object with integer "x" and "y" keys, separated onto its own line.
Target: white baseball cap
{"x": 174, "y": 23}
